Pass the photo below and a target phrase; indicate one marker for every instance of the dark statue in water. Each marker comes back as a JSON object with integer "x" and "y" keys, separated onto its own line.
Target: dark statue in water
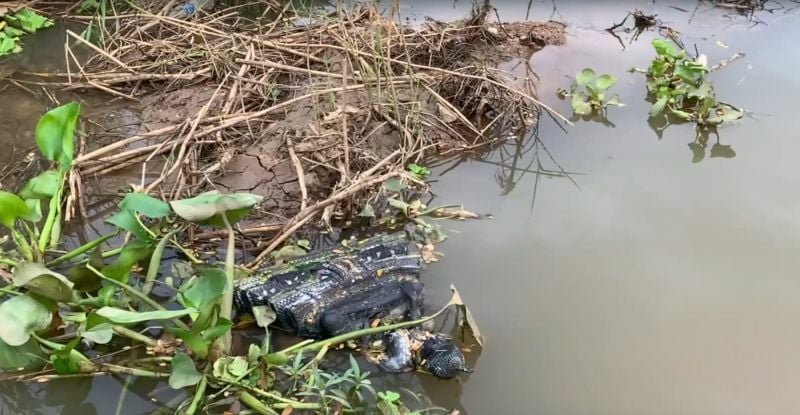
{"x": 346, "y": 288}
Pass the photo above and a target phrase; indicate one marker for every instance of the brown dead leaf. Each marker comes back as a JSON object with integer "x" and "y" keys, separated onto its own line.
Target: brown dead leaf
{"x": 456, "y": 213}
{"x": 375, "y": 323}
{"x": 287, "y": 411}
{"x": 347, "y": 109}
{"x": 428, "y": 253}
{"x": 447, "y": 115}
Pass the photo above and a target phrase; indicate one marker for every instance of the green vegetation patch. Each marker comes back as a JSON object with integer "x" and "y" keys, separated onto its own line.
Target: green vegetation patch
{"x": 17, "y": 24}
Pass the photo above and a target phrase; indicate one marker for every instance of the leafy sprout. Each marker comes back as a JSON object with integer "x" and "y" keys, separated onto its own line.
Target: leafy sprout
{"x": 589, "y": 92}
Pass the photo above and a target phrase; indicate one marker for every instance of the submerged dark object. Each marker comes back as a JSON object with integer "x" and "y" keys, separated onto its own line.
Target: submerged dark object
{"x": 443, "y": 358}
{"x": 436, "y": 354}
{"x": 340, "y": 289}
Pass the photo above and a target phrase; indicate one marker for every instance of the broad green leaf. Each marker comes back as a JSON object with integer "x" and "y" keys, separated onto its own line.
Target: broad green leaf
{"x": 27, "y": 356}
{"x": 206, "y": 207}
{"x": 686, "y": 74}
{"x": 184, "y": 372}
{"x": 100, "y": 334}
{"x": 223, "y": 326}
{"x": 394, "y": 185}
{"x": 28, "y": 20}
{"x": 663, "y": 47}
{"x": 43, "y": 186}
{"x": 658, "y": 106}
{"x": 84, "y": 279}
{"x": 126, "y": 220}
{"x": 40, "y": 280}
{"x": 579, "y": 106}
{"x": 146, "y": 205}
{"x": 238, "y": 366}
{"x": 134, "y": 252}
{"x": 703, "y": 91}
{"x": 12, "y": 207}
{"x": 19, "y": 317}
{"x": 34, "y": 210}
{"x": 193, "y": 341}
{"x": 605, "y": 81}
{"x": 585, "y": 77}
{"x": 264, "y": 315}
{"x": 120, "y": 316}
{"x": 55, "y": 133}
{"x": 204, "y": 290}
{"x": 367, "y": 212}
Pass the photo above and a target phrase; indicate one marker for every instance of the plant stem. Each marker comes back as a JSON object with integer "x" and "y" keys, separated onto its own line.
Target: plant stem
{"x": 198, "y": 396}
{"x": 81, "y": 249}
{"x": 22, "y": 244}
{"x": 227, "y": 298}
{"x": 136, "y": 294}
{"x": 294, "y": 404}
{"x": 315, "y": 346}
{"x": 9, "y": 291}
{"x": 253, "y": 403}
{"x": 155, "y": 262}
{"x": 133, "y": 335}
{"x": 8, "y": 261}
{"x": 53, "y": 213}
{"x": 122, "y": 370}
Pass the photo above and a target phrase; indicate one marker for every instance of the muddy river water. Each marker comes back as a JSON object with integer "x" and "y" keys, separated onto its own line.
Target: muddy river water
{"x": 661, "y": 279}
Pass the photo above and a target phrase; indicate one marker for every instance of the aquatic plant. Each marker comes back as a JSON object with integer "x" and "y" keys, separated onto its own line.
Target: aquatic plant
{"x": 679, "y": 86}
{"x": 59, "y": 305}
{"x": 589, "y": 92}
{"x": 14, "y": 25}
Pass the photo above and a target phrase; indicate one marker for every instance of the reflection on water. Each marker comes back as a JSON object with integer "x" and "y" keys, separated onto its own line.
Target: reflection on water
{"x": 655, "y": 286}
{"x": 617, "y": 277}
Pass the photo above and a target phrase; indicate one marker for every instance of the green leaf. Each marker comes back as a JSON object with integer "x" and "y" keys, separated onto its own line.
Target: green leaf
{"x": 663, "y": 47}
{"x": 367, "y": 212}
{"x": 264, "y": 315}
{"x": 585, "y": 77}
{"x": 120, "y": 316}
{"x": 43, "y": 186}
{"x": 193, "y": 341}
{"x": 34, "y": 210}
{"x": 55, "y": 133}
{"x": 146, "y": 205}
{"x": 133, "y": 252}
{"x": 419, "y": 170}
{"x": 28, "y": 356}
{"x": 223, "y": 326}
{"x": 28, "y": 20}
{"x": 605, "y": 81}
{"x": 86, "y": 280}
{"x": 207, "y": 207}
{"x": 204, "y": 290}
{"x": 238, "y": 366}
{"x": 184, "y": 372}
{"x": 579, "y": 106}
{"x": 40, "y": 280}
{"x": 100, "y": 334}
{"x": 126, "y": 220}
{"x": 19, "y": 317}
{"x": 658, "y": 106}
{"x": 394, "y": 185}
{"x": 12, "y": 207}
